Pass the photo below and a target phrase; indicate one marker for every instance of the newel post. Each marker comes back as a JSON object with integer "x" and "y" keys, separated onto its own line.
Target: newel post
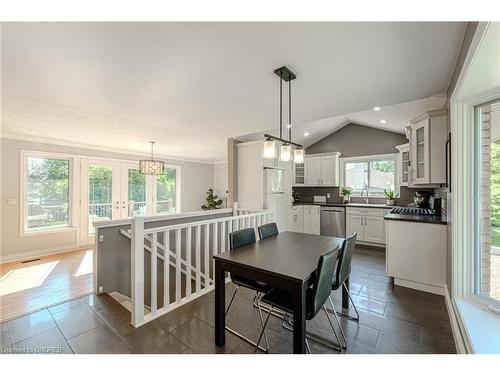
{"x": 137, "y": 270}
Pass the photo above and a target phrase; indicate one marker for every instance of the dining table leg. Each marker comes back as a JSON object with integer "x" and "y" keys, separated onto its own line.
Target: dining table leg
{"x": 299, "y": 319}
{"x": 220, "y": 304}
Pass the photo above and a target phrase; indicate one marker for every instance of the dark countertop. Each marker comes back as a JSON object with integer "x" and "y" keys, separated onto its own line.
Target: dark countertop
{"x": 426, "y": 219}
{"x": 362, "y": 205}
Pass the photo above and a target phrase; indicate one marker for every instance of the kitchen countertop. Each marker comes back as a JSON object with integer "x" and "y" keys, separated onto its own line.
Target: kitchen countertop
{"x": 374, "y": 205}
{"x": 426, "y": 219}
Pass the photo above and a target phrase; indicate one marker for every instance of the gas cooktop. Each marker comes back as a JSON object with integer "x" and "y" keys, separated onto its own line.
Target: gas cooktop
{"x": 413, "y": 211}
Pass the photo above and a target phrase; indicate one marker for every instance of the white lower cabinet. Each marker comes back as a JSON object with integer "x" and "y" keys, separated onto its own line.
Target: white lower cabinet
{"x": 296, "y": 220}
{"x": 305, "y": 219}
{"x": 368, "y": 223}
{"x": 416, "y": 255}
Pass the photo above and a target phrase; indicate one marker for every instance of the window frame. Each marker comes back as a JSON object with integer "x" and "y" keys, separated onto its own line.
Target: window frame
{"x": 23, "y": 192}
{"x": 366, "y": 159}
{"x": 178, "y": 178}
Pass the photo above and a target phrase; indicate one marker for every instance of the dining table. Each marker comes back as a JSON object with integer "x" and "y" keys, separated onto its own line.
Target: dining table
{"x": 288, "y": 261}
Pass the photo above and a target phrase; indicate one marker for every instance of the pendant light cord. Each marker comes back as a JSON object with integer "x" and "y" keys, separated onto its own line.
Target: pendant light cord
{"x": 290, "y": 110}
{"x": 281, "y": 105}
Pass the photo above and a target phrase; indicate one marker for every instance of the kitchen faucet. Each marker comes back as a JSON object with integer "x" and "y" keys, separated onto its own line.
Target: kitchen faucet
{"x": 365, "y": 188}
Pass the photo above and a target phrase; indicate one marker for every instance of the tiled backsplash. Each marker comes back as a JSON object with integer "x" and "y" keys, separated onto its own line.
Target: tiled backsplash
{"x": 306, "y": 194}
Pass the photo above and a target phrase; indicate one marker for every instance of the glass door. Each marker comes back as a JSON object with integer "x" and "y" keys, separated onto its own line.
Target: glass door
{"x": 165, "y": 192}
{"x": 100, "y": 195}
{"x": 134, "y": 192}
{"x": 405, "y": 167}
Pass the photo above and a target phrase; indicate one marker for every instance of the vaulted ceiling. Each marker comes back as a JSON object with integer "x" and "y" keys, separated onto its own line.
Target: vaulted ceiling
{"x": 192, "y": 85}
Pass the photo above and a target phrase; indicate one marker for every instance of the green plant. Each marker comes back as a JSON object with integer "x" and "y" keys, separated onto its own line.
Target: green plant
{"x": 390, "y": 195}
{"x": 212, "y": 200}
{"x": 346, "y": 191}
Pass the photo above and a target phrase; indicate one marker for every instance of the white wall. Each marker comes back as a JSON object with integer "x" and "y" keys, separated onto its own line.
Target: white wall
{"x": 221, "y": 180}
{"x": 196, "y": 178}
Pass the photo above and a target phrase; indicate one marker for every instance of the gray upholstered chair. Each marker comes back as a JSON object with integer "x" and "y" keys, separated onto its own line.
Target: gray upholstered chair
{"x": 267, "y": 230}
{"x": 239, "y": 239}
{"x": 316, "y": 295}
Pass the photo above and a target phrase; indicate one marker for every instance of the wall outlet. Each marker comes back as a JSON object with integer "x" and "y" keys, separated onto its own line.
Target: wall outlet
{"x": 100, "y": 289}
{"x": 101, "y": 238}
{"x": 328, "y": 195}
{"x": 11, "y": 200}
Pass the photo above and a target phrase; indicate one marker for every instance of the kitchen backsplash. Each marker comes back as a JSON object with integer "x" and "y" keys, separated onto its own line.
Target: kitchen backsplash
{"x": 306, "y": 194}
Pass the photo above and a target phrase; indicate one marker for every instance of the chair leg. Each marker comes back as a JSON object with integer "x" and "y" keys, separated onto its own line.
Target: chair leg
{"x": 263, "y": 329}
{"x": 338, "y": 323}
{"x": 353, "y": 305}
{"x": 231, "y": 301}
{"x": 308, "y": 347}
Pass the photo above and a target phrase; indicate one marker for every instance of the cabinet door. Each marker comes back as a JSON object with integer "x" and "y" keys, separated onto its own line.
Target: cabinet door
{"x": 315, "y": 220}
{"x": 327, "y": 170}
{"x": 354, "y": 223}
{"x": 298, "y": 174}
{"x": 312, "y": 170}
{"x": 420, "y": 152}
{"x": 374, "y": 229}
{"x": 405, "y": 167}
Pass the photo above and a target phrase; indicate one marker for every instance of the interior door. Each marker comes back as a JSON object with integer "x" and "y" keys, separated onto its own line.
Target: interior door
{"x": 135, "y": 192}
{"x": 100, "y": 195}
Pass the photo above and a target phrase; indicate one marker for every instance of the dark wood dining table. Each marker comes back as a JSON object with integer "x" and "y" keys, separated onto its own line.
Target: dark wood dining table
{"x": 288, "y": 261}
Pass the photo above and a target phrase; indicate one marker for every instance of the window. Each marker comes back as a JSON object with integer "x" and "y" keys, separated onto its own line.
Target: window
{"x": 377, "y": 173}
{"x": 487, "y": 265}
{"x": 47, "y": 193}
{"x": 166, "y": 192}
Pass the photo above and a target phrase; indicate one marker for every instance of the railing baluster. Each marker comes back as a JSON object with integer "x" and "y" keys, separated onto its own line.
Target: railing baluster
{"x": 154, "y": 262}
{"x": 215, "y": 244}
{"x": 137, "y": 271}
{"x": 197, "y": 257}
{"x": 178, "y": 255}
{"x": 223, "y": 241}
{"x": 166, "y": 268}
{"x": 188, "y": 260}
{"x": 206, "y": 254}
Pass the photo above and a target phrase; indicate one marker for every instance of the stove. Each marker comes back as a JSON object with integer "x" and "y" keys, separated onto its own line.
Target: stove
{"x": 413, "y": 211}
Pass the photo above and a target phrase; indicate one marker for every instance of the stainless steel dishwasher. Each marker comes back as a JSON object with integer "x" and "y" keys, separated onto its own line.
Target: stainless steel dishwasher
{"x": 332, "y": 221}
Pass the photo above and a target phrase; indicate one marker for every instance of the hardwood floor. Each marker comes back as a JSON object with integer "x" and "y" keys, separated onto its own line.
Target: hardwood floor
{"x": 26, "y": 287}
{"x": 393, "y": 320}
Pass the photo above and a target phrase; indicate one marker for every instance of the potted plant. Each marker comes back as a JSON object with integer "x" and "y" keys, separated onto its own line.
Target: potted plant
{"x": 391, "y": 196}
{"x": 346, "y": 193}
{"x": 212, "y": 200}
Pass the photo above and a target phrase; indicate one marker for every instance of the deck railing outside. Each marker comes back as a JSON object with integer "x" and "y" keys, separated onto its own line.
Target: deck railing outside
{"x": 188, "y": 273}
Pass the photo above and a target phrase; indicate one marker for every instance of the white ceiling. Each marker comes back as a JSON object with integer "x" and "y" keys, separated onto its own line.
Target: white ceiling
{"x": 192, "y": 85}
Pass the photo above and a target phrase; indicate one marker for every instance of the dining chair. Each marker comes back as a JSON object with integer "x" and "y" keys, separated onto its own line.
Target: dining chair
{"x": 340, "y": 276}
{"x": 239, "y": 239}
{"x": 316, "y": 295}
{"x": 267, "y": 230}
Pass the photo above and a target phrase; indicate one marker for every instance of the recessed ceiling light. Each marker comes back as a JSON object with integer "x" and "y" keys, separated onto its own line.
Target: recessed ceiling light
{"x": 376, "y": 108}
{"x": 383, "y": 121}
{"x": 306, "y": 134}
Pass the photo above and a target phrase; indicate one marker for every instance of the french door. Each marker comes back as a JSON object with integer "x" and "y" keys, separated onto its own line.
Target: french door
{"x": 116, "y": 190}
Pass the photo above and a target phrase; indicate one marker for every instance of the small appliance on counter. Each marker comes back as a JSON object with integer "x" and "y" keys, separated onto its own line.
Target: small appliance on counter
{"x": 421, "y": 199}
{"x": 295, "y": 196}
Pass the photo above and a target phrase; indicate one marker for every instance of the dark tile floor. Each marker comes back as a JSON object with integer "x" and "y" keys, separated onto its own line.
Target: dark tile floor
{"x": 393, "y": 320}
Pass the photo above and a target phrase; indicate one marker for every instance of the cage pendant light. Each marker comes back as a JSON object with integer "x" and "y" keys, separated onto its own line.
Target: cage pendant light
{"x": 151, "y": 166}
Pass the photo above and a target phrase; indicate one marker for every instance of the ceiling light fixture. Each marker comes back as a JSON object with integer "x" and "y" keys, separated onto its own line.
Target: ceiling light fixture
{"x": 383, "y": 121}
{"x": 151, "y": 166}
{"x": 269, "y": 149}
{"x": 306, "y": 134}
{"x": 376, "y": 108}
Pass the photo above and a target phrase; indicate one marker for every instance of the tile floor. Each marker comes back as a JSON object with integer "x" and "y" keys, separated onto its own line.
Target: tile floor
{"x": 393, "y": 320}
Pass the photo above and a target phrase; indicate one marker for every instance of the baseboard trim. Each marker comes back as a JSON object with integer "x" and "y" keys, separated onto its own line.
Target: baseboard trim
{"x": 39, "y": 253}
{"x": 455, "y": 327}
{"x": 419, "y": 286}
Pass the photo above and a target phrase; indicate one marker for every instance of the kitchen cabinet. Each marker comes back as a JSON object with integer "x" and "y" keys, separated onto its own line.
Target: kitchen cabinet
{"x": 427, "y": 149}
{"x": 321, "y": 169}
{"x": 296, "y": 220}
{"x": 299, "y": 177}
{"x": 305, "y": 219}
{"x": 416, "y": 255}
{"x": 403, "y": 164}
{"x": 368, "y": 223}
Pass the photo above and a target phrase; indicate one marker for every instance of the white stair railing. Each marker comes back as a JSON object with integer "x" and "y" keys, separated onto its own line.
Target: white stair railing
{"x": 191, "y": 247}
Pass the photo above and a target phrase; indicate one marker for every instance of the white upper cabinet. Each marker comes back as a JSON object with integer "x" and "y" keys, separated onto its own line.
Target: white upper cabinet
{"x": 427, "y": 149}
{"x": 404, "y": 164}
{"x": 319, "y": 170}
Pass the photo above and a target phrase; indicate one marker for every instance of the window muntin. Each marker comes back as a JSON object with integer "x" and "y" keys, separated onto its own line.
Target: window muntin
{"x": 377, "y": 174}
{"x": 47, "y": 194}
{"x": 487, "y": 253}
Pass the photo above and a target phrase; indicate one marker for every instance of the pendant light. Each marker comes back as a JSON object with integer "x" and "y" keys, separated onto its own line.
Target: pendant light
{"x": 285, "y": 150}
{"x": 151, "y": 166}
